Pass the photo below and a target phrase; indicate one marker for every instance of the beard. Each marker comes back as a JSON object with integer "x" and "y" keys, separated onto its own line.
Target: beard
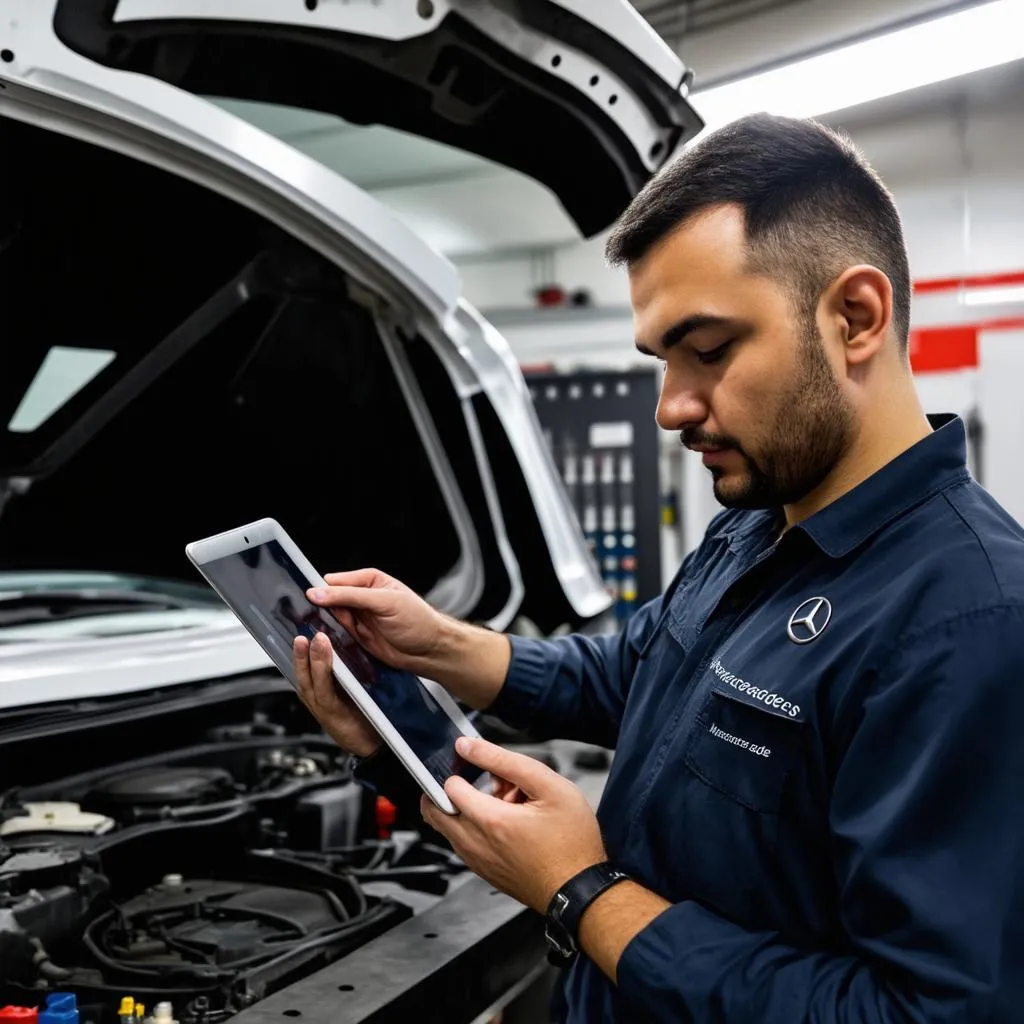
{"x": 812, "y": 430}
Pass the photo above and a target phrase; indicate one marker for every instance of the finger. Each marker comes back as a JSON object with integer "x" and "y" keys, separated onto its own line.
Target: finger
{"x": 525, "y": 772}
{"x": 321, "y": 661}
{"x": 354, "y": 578}
{"x": 358, "y": 598}
{"x": 473, "y": 804}
{"x": 505, "y": 791}
{"x": 347, "y": 619}
{"x": 435, "y": 817}
{"x": 300, "y": 666}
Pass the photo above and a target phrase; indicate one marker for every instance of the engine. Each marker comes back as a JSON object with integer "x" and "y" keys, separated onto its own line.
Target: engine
{"x": 206, "y": 877}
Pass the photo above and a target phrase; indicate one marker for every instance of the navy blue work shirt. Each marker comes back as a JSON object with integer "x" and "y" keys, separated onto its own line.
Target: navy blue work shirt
{"x": 819, "y": 761}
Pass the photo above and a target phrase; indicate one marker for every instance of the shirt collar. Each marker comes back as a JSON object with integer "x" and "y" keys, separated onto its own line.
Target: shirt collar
{"x": 924, "y": 469}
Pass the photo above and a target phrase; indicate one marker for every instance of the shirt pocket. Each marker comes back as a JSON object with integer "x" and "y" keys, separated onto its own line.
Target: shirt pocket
{"x": 667, "y": 623}
{"x": 744, "y": 749}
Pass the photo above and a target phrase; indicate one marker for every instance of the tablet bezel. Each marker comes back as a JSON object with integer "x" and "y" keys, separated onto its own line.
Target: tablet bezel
{"x": 242, "y": 538}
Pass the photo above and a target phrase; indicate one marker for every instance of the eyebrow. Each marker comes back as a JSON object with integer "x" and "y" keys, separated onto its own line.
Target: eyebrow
{"x": 690, "y": 325}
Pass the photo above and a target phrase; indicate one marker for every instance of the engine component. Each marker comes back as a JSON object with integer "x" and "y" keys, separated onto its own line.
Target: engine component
{"x": 300, "y": 766}
{"x": 210, "y": 881}
{"x": 61, "y": 1008}
{"x": 327, "y": 818}
{"x": 21, "y": 1014}
{"x": 37, "y": 867}
{"x": 227, "y": 940}
{"x": 55, "y": 817}
{"x": 153, "y": 788}
{"x": 211, "y": 922}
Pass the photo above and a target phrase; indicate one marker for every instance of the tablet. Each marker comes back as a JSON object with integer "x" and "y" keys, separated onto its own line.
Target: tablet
{"x": 262, "y": 576}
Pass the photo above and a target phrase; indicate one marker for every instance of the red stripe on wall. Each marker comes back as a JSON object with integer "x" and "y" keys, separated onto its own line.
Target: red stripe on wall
{"x": 940, "y": 349}
{"x": 936, "y": 349}
{"x": 952, "y": 284}
{"x": 1009, "y": 323}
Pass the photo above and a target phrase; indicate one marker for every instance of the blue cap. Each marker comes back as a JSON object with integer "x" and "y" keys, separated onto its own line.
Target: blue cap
{"x": 61, "y": 1008}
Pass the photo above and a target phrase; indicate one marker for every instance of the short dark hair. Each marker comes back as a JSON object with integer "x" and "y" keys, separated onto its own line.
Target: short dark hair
{"x": 813, "y": 207}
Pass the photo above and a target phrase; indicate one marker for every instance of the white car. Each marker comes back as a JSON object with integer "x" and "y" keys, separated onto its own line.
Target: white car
{"x": 203, "y": 326}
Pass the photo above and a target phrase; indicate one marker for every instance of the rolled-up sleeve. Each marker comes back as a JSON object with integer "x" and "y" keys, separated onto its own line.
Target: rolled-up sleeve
{"x": 575, "y": 687}
{"x": 927, "y": 834}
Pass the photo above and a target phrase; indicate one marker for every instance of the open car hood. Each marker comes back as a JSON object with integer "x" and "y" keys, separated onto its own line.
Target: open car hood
{"x": 557, "y": 89}
{"x": 204, "y": 326}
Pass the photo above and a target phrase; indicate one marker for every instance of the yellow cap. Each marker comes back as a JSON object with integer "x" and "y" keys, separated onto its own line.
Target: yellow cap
{"x": 127, "y": 1007}
{"x": 140, "y": 1010}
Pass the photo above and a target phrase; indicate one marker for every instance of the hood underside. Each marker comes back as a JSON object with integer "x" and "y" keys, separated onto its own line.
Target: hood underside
{"x": 528, "y": 84}
{"x": 175, "y": 365}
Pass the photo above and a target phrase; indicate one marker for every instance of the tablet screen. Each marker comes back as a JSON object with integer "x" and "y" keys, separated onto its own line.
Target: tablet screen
{"x": 268, "y": 592}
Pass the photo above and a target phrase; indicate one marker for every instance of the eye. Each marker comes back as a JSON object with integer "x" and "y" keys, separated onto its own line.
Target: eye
{"x": 714, "y": 355}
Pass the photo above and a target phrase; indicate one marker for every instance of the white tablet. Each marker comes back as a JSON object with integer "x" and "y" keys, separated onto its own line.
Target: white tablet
{"x": 263, "y": 577}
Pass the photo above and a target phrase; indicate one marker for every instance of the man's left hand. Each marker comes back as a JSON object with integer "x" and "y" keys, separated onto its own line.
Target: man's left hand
{"x": 527, "y": 849}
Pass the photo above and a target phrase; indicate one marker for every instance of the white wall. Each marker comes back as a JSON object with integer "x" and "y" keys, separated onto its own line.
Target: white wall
{"x": 1002, "y": 411}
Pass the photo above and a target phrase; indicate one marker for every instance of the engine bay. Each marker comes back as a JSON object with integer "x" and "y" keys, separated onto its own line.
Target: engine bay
{"x": 206, "y": 875}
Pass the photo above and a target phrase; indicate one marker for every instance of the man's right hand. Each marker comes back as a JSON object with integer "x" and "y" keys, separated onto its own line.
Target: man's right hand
{"x": 398, "y": 627}
{"x": 391, "y": 621}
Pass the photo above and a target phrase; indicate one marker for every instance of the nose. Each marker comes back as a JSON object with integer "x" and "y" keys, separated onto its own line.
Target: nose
{"x": 680, "y": 404}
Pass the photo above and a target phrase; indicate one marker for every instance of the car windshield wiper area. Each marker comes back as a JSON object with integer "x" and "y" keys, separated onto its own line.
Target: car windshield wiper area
{"x": 28, "y": 607}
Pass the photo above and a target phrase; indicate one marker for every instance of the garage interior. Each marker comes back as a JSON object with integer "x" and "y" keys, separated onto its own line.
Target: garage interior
{"x": 179, "y": 840}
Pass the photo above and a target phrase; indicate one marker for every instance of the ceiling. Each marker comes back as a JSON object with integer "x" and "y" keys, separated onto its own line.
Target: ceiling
{"x": 675, "y": 20}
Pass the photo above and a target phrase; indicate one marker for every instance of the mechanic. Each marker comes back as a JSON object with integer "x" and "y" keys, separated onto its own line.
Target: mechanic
{"x": 814, "y": 811}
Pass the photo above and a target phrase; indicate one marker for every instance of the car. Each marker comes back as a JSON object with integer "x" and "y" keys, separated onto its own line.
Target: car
{"x": 203, "y": 326}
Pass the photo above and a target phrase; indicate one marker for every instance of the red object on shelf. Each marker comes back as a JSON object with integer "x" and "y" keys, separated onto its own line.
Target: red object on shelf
{"x": 550, "y": 295}
{"x": 387, "y": 813}
{"x": 24, "y": 1014}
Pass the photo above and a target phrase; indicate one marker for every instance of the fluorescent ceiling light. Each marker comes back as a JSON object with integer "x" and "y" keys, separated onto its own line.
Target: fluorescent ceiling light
{"x": 63, "y": 373}
{"x": 992, "y": 296}
{"x": 923, "y": 54}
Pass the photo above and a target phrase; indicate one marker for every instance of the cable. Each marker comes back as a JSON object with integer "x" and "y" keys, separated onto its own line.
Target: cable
{"x": 98, "y": 935}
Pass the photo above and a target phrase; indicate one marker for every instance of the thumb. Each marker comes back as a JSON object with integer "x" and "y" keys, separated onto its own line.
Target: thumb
{"x": 378, "y": 602}
{"x": 525, "y": 772}
{"x": 357, "y": 578}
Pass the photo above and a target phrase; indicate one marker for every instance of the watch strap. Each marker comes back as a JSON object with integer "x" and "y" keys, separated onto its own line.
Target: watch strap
{"x": 568, "y": 904}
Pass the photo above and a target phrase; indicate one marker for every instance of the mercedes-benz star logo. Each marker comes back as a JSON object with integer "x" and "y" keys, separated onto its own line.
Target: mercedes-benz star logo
{"x": 808, "y": 622}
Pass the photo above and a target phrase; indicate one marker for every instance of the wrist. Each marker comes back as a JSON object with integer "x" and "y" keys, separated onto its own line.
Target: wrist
{"x": 614, "y": 920}
{"x": 449, "y": 650}
{"x": 471, "y": 662}
{"x": 362, "y": 749}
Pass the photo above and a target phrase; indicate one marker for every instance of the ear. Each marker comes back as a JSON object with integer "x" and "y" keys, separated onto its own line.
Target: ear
{"x": 860, "y": 300}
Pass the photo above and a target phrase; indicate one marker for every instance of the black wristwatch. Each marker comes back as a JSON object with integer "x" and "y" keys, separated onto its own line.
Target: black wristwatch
{"x": 562, "y": 919}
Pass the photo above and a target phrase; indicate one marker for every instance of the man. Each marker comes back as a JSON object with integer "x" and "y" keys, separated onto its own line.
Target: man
{"x": 817, "y": 790}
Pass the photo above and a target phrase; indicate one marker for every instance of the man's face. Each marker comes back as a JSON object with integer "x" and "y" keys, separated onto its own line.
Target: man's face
{"x": 746, "y": 383}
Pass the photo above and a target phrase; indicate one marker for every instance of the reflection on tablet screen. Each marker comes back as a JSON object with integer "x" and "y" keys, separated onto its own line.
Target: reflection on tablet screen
{"x": 269, "y": 593}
